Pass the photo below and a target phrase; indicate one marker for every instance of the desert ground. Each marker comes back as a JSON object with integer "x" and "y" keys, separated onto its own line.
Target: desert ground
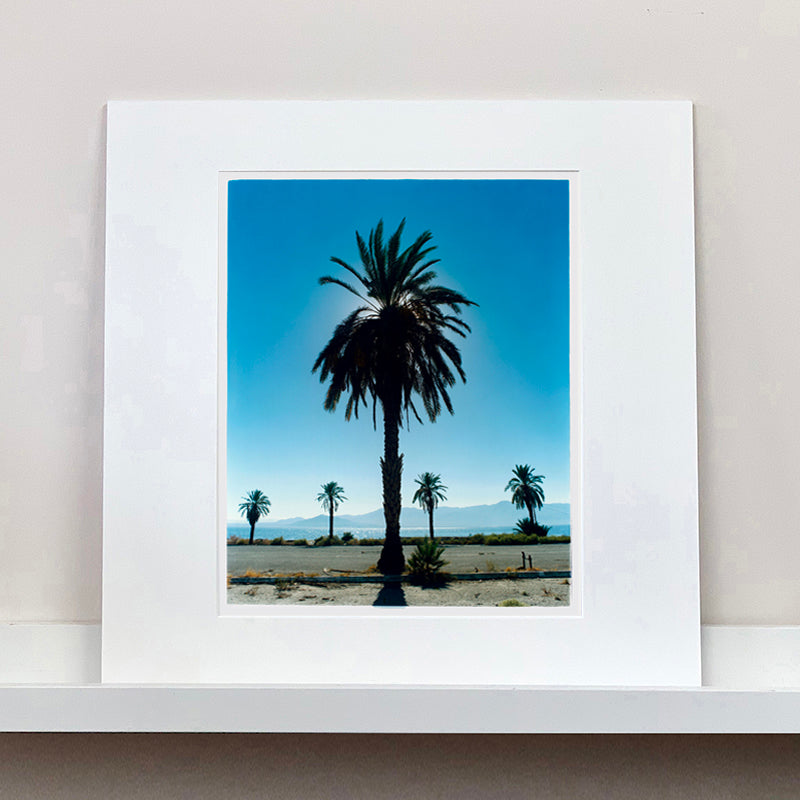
{"x": 335, "y": 561}
{"x": 521, "y": 592}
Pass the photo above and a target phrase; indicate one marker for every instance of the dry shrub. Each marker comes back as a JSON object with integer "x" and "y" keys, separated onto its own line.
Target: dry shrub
{"x": 283, "y": 586}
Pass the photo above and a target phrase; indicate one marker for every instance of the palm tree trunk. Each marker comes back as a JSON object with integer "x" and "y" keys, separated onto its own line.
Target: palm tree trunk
{"x": 252, "y": 531}
{"x": 531, "y": 513}
{"x": 430, "y": 521}
{"x": 391, "y": 561}
{"x": 330, "y": 530}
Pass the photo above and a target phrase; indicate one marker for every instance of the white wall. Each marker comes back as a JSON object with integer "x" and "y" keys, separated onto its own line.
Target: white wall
{"x": 738, "y": 61}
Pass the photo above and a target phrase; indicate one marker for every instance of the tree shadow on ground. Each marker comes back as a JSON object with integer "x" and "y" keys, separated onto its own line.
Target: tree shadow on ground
{"x": 391, "y": 594}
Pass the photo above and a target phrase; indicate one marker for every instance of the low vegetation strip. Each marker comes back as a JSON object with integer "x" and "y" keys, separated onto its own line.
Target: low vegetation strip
{"x": 248, "y": 580}
{"x": 411, "y": 541}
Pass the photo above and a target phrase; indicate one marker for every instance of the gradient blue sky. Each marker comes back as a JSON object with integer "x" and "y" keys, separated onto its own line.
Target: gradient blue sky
{"x": 503, "y": 243}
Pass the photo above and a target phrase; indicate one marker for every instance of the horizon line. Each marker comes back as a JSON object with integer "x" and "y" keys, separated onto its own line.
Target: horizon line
{"x": 373, "y": 510}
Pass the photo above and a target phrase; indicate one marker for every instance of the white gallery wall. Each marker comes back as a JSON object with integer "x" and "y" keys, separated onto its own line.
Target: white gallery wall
{"x": 739, "y": 62}
{"x": 60, "y": 62}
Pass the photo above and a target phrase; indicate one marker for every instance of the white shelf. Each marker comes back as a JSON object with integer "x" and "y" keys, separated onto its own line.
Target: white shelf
{"x": 737, "y": 662}
{"x": 397, "y": 709}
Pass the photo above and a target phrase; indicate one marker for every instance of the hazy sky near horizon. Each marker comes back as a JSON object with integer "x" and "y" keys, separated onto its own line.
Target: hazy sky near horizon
{"x": 502, "y": 243}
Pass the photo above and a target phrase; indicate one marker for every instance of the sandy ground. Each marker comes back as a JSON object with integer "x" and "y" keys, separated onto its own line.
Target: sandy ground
{"x": 529, "y": 592}
{"x": 460, "y": 558}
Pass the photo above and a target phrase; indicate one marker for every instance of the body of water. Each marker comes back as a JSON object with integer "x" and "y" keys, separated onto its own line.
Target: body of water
{"x": 242, "y": 530}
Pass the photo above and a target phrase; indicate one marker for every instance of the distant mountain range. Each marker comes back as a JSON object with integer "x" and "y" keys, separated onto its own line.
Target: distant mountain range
{"x": 502, "y": 515}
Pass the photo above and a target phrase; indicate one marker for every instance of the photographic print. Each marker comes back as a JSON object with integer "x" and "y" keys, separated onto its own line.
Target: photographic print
{"x": 397, "y": 389}
{"x": 562, "y": 338}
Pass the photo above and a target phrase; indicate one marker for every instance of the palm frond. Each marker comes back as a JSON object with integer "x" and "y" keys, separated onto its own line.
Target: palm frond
{"x": 397, "y": 348}
{"x": 255, "y": 504}
{"x": 430, "y": 490}
{"x": 332, "y": 495}
{"x": 328, "y": 279}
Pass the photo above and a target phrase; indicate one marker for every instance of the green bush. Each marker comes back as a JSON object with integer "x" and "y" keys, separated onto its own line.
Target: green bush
{"x": 325, "y": 541}
{"x": 425, "y": 564}
{"x": 300, "y": 543}
{"x": 511, "y": 603}
{"x": 490, "y": 539}
{"x": 370, "y": 542}
{"x": 509, "y": 538}
{"x": 525, "y": 527}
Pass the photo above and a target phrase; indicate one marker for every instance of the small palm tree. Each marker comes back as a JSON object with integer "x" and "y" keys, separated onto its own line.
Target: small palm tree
{"x": 429, "y": 492}
{"x": 254, "y": 505}
{"x": 331, "y": 497}
{"x": 526, "y": 489}
{"x": 425, "y": 564}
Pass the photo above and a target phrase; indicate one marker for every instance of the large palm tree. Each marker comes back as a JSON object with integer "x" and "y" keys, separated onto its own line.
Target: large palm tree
{"x": 526, "y": 489}
{"x": 393, "y": 349}
{"x": 254, "y": 505}
{"x": 430, "y": 490}
{"x": 331, "y": 497}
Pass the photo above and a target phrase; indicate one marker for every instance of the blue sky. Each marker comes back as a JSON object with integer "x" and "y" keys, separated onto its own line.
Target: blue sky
{"x": 502, "y": 243}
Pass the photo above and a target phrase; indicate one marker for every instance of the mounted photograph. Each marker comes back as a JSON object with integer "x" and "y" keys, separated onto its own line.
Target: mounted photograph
{"x": 396, "y": 407}
{"x": 373, "y": 392}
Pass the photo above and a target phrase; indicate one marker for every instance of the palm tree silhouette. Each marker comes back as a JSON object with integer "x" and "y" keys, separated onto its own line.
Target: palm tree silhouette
{"x": 429, "y": 492}
{"x": 331, "y": 497}
{"x": 254, "y": 505}
{"x": 393, "y": 349}
{"x": 526, "y": 489}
